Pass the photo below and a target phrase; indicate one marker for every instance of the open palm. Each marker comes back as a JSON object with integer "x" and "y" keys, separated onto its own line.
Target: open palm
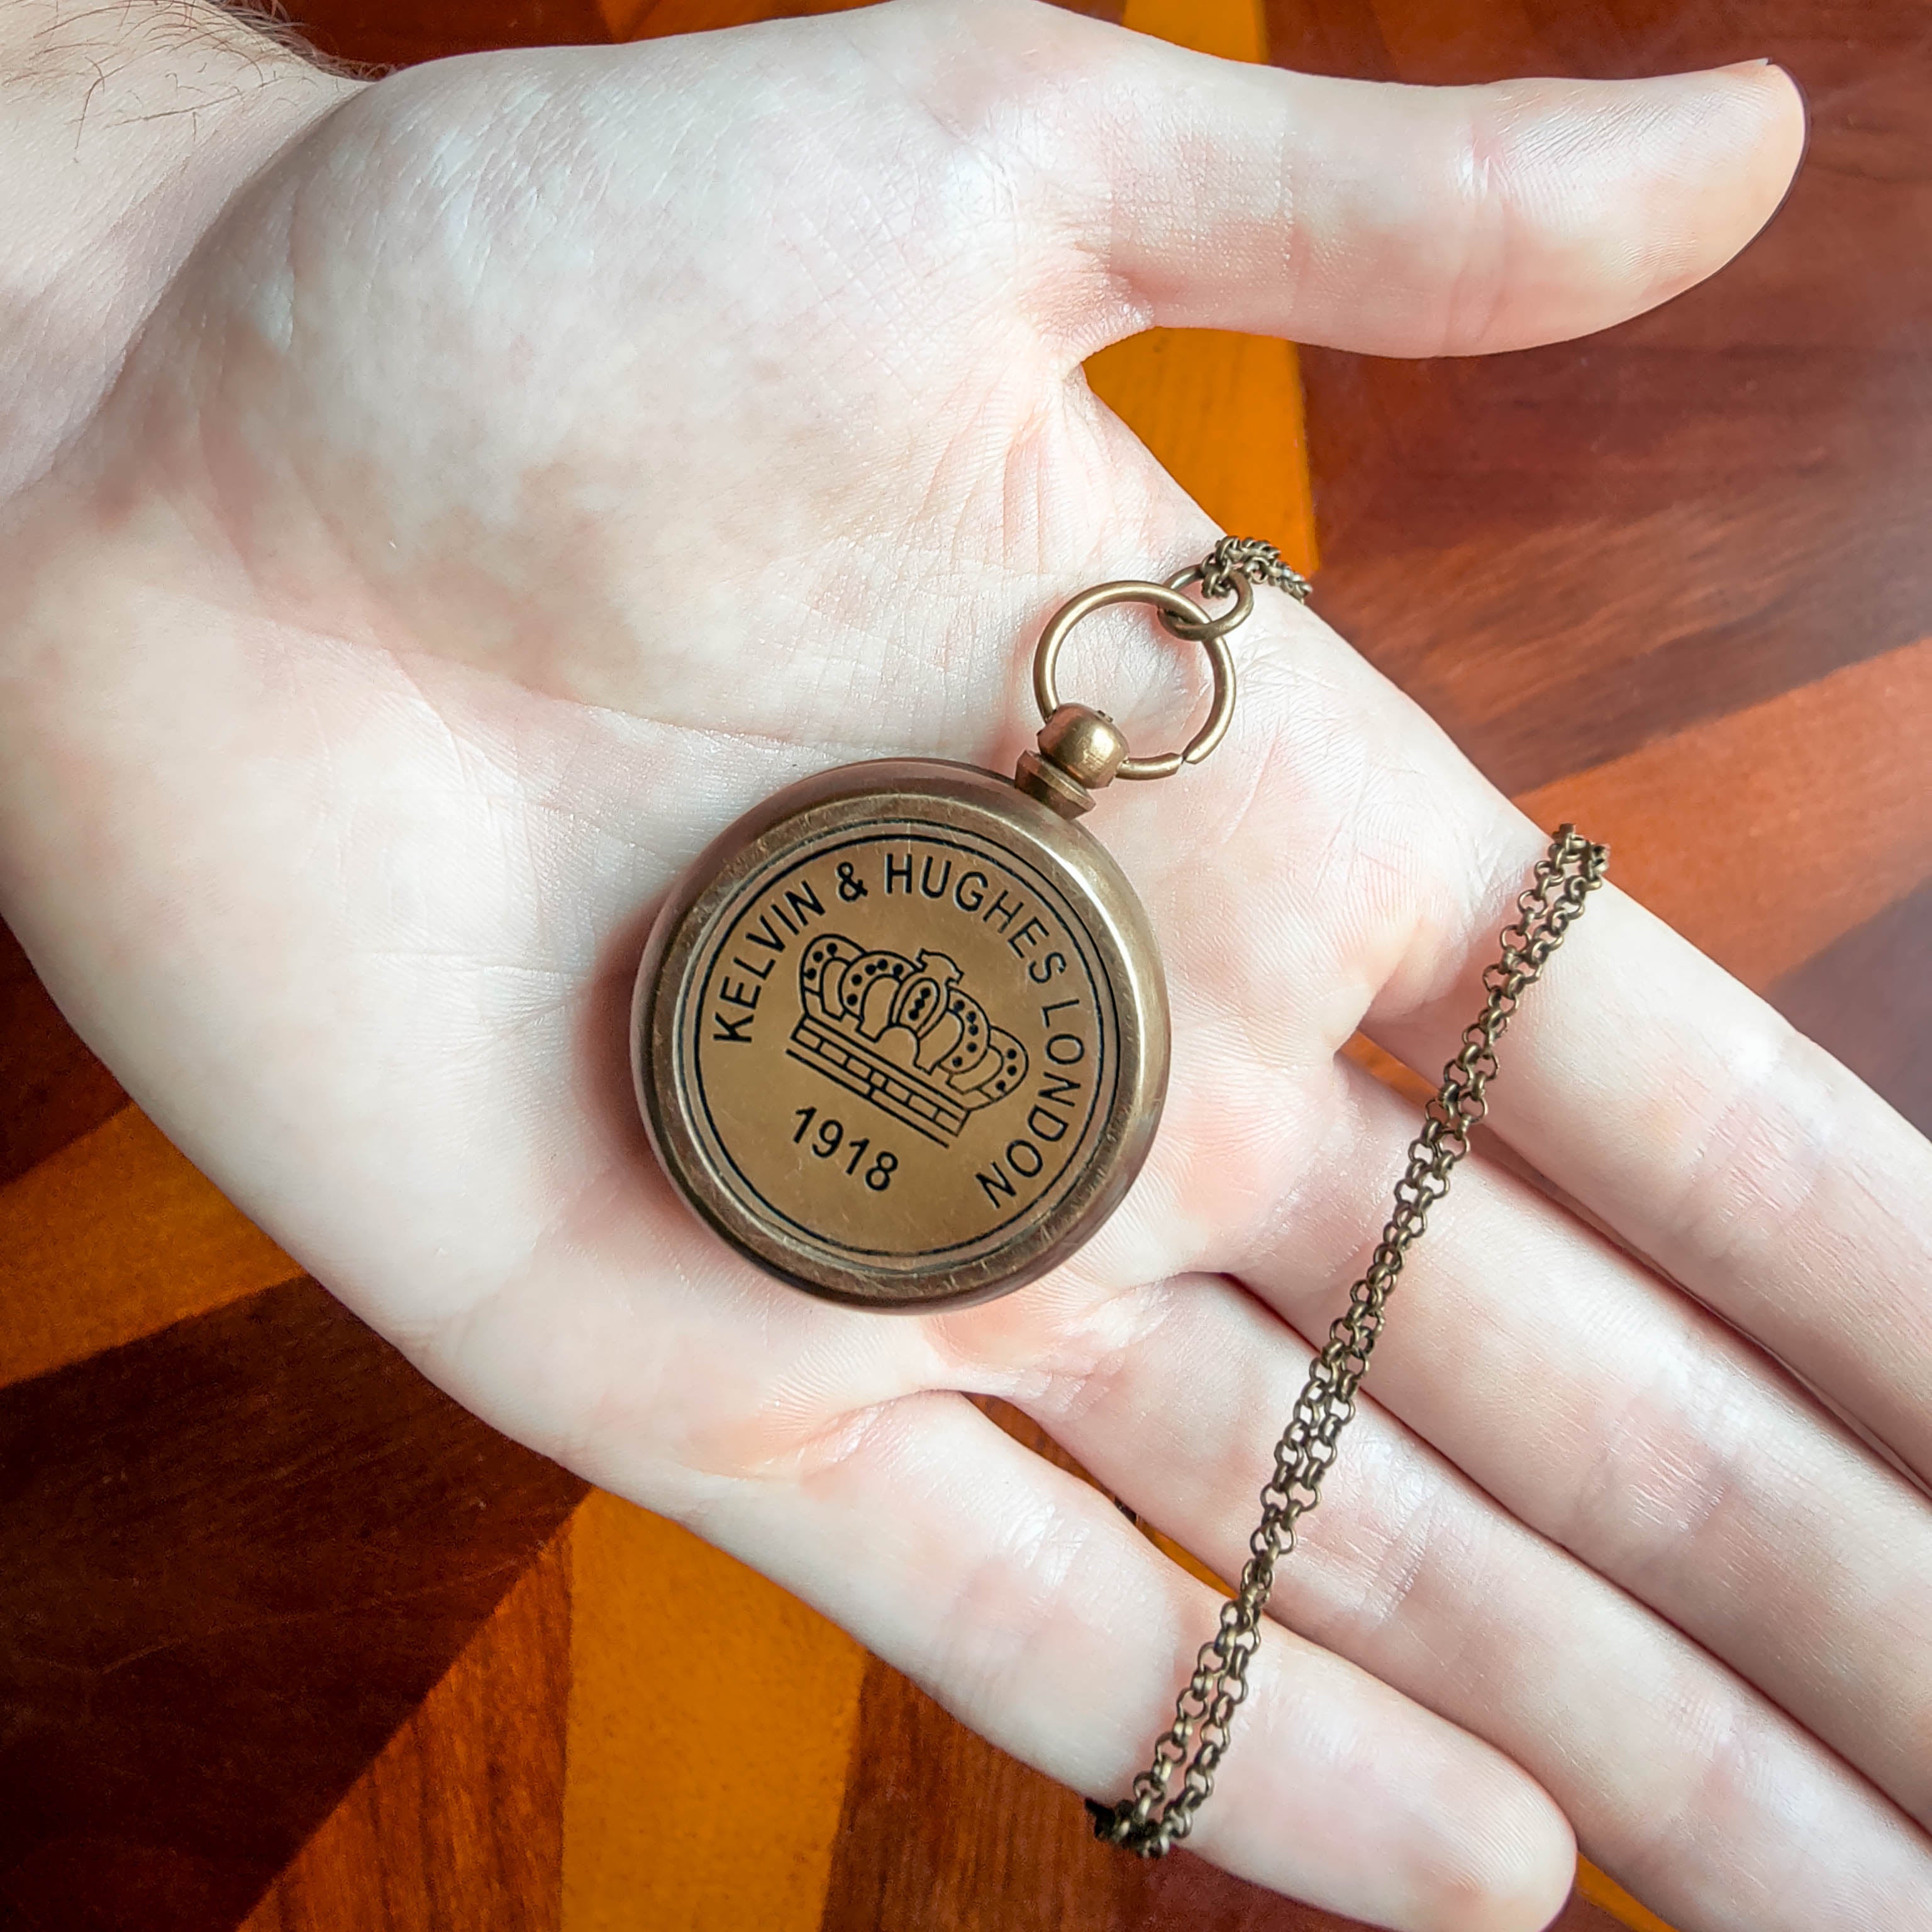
{"x": 550, "y": 454}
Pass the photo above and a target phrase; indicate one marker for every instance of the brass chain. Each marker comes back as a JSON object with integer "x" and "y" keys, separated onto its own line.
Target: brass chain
{"x": 1160, "y": 1809}
{"x": 1259, "y": 562}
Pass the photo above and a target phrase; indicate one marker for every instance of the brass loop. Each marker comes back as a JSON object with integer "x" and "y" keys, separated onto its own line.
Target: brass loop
{"x": 1230, "y": 619}
{"x": 1167, "y": 600}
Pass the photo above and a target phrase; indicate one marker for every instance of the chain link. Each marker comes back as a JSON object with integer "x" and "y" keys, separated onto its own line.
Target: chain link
{"x": 1160, "y": 1809}
{"x": 1259, "y": 562}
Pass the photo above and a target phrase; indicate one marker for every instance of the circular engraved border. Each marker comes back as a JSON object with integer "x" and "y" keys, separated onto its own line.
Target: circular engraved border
{"x": 752, "y": 885}
{"x": 1093, "y": 895}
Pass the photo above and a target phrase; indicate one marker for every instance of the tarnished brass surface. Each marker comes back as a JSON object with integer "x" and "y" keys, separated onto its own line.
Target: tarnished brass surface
{"x": 901, "y": 1036}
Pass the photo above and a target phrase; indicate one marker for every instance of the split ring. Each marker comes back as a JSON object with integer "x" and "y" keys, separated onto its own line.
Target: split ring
{"x": 1176, "y": 611}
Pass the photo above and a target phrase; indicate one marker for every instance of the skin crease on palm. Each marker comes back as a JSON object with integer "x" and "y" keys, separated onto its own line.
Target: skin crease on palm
{"x": 439, "y": 507}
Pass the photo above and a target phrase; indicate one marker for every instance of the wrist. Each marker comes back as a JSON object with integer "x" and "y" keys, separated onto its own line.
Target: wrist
{"x": 126, "y": 131}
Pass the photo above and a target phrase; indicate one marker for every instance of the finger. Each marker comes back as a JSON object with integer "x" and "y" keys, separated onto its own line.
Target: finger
{"x": 1665, "y": 1453}
{"x": 1397, "y": 220}
{"x": 1022, "y": 1599}
{"x": 1680, "y": 1779}
{"x": 1352, "y": 865}
{"x": 1693, "y": 1120}
{"x": 1597, "y": 1405}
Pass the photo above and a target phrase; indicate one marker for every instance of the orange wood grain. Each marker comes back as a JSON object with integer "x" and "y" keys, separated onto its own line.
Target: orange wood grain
{"x": 1768, "y": 835}
{"x": 114, "y": 1237}
{"x": 1230, "y": 29}
{"x": 1223, "y": 413}
{"x": 458, "y": 1822}
{"x": 1598, "y": 1889}
{"x": 711, "y": 1718}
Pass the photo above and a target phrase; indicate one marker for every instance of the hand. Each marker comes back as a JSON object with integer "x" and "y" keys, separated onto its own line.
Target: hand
{"x": 539, "y": 458}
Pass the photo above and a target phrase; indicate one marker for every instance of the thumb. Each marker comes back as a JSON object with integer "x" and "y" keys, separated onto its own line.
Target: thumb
{"x": 1392, "y": 220}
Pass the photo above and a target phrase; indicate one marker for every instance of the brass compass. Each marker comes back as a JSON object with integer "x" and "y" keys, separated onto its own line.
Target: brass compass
{"x": 901, "y": 1034}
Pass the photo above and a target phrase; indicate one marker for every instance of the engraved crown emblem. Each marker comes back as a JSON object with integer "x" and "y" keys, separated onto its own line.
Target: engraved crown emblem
{"x": 902, "y": 1034}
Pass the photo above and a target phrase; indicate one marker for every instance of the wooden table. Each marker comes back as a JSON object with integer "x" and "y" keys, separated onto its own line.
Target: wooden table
{"x": 287, "y": 1640}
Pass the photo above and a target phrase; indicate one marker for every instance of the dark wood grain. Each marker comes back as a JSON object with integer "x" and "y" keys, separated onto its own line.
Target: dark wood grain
{"x": 942, "y": 1833}
{"x": 51, "y": 1089}
{"x": 459, "y": 1821}
{"x": 398, "y": 33}
{"x": 239, "y": 1555}
{"x": 1868, "y": 998}
{"x": 1565, "y": 554}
